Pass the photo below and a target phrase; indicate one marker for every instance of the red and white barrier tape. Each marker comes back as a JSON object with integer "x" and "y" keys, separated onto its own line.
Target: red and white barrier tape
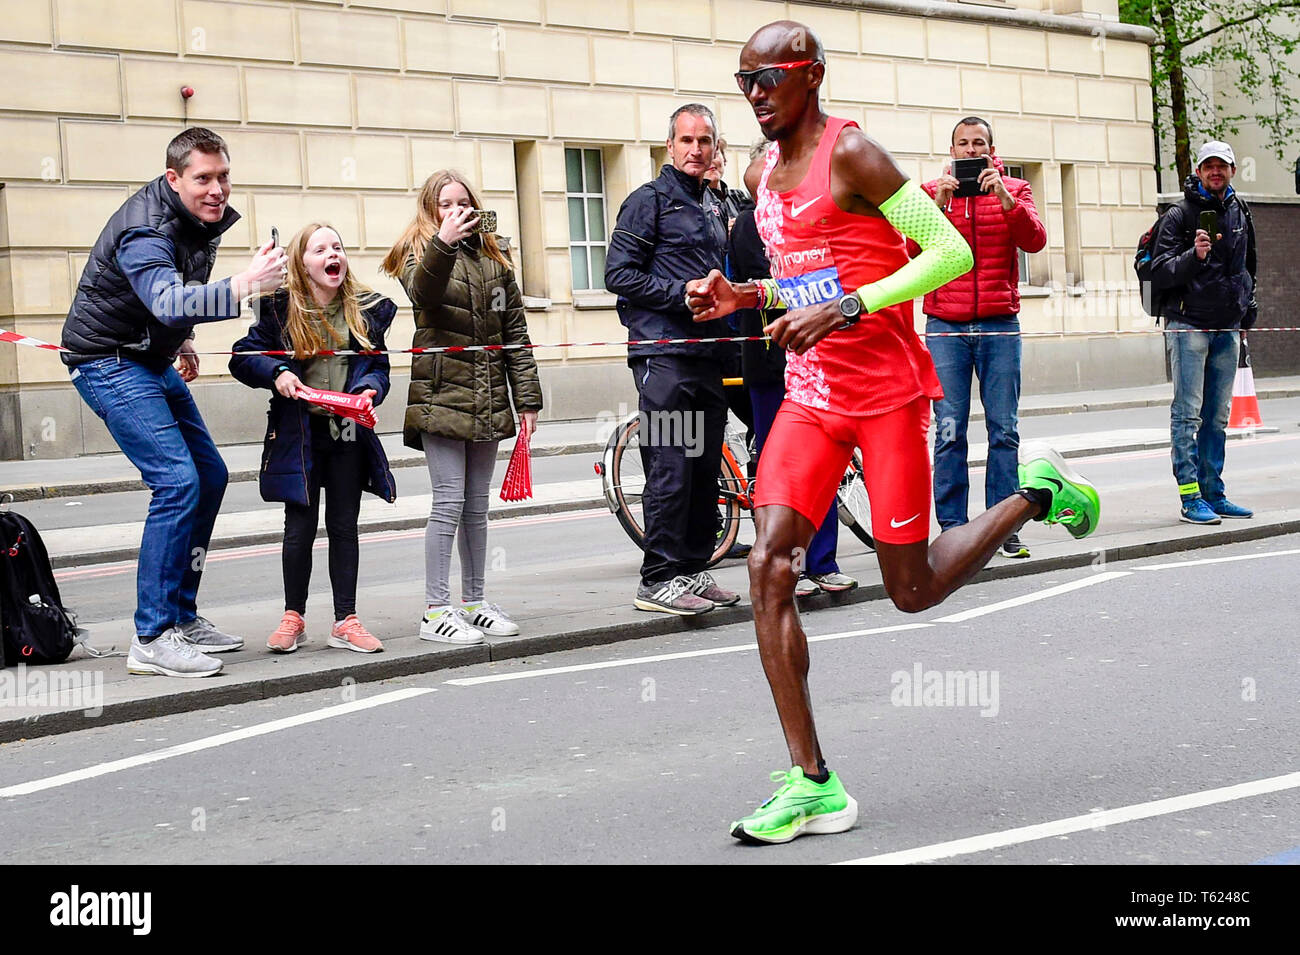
{"x": 283, "y": 353}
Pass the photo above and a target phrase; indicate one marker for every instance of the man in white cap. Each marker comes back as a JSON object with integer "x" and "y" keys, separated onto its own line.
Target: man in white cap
{"x": 1203, "y": 269}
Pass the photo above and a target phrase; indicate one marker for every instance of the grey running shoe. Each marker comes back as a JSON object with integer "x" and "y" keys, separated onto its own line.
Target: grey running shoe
{"x": 705, "y": 586}
{"x": 834, "y": 583}
{"x": 805, "y": 587}
{"x": 672, "y": 596}
{"x": 169, "y": 655}
{"x": 208, "y": 638}
{"x": 1013, "y": 548}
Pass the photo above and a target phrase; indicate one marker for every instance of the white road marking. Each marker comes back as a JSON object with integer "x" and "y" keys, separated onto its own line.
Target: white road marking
{"x": 660, "y": 657}
{"x": 247, "y": 732}
{"x": 1093, "y": 820}
{"x": 1031, "y": 598}
{"x": 1179, "y": 564}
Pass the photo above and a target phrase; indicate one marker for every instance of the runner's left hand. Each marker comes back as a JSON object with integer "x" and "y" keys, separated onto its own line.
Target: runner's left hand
{"x": 800, "y": 329}
{"x": 187, "y": 361}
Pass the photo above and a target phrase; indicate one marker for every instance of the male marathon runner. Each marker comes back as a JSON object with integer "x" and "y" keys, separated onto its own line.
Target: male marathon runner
{"x": 833, "y": 211}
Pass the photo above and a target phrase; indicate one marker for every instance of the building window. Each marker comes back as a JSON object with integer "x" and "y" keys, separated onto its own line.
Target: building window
{"x": 585, "y": 192}
{"x": 1022, "y": 257}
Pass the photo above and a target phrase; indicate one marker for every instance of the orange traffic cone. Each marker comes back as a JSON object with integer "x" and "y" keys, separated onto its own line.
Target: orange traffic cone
{"x": 1245, "y": 406}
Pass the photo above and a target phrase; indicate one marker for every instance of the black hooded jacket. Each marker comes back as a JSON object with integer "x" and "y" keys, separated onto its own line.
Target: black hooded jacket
{"x": 1219, "y": 291}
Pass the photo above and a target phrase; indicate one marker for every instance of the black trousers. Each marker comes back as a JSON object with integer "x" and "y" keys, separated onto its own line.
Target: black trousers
{"x": 339, "y": 467}
{"x": 683, "y": 413}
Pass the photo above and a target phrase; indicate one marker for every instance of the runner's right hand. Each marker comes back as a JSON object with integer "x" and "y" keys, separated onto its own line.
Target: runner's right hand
{"x": 711, "y": 297}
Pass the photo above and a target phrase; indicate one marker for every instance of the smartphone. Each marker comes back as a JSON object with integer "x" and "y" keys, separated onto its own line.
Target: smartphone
{"x": 967, "y": 172}
{"x": 1209, "y": 221}
{"x": 275, "y": 237}
{"x": 487, "y": 221}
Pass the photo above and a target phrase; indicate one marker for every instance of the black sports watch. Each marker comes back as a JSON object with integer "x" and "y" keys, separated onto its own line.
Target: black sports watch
{"x": 851, "y": 309}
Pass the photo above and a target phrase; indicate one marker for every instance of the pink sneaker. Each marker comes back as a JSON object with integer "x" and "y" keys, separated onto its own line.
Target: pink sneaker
{"x": 348, "y": 634}
{"x": 291, "y": 632}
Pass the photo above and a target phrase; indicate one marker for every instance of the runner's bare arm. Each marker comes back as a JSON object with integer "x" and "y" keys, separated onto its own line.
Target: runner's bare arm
{"x": 866, "y": 171}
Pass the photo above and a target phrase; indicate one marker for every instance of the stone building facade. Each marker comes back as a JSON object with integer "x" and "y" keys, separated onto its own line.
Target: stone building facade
{"x": 338, "y": 111}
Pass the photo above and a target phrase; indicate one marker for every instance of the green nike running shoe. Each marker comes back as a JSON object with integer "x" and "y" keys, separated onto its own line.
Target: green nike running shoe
{"x": 1075, "y": 502}
{"x": 798, "y": 807}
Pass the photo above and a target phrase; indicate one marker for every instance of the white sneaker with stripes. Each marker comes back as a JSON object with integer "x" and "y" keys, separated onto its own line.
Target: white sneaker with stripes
{"x": 490, "y": 619}
{"x": 448, "y": 626}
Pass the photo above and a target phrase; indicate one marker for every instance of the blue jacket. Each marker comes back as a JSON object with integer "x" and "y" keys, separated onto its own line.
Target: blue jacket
{"x": 109, "y": 315}
{"x": 286, "y": 452}
{"x": 668, "y": 231}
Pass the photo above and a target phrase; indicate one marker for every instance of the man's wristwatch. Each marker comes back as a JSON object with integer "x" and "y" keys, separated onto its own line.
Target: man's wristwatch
{"x": 851, "y": 309}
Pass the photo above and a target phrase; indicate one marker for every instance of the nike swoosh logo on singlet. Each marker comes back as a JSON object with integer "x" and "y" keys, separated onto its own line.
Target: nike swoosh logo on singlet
{"x": 795, "y": 210}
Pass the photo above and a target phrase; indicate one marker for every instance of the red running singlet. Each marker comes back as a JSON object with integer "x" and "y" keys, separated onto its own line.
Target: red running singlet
{"x": 818, "y": 253}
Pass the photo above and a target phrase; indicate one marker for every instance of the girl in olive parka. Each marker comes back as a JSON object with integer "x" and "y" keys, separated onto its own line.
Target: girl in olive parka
{"x": 461, "y": 404}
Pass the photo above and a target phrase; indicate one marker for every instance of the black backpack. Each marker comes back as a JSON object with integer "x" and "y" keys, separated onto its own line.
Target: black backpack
{"x": 34, "y": 626}
{"x": 1152, "y": 301}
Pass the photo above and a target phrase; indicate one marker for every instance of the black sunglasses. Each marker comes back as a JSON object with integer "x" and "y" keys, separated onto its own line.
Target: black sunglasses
{"x": 768, "y": 77}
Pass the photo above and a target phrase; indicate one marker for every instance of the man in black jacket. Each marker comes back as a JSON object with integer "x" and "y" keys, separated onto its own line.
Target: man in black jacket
{"x": 1206, "y": 285}
{"x": 667, "y": 231}
{"x": 144, "y": 288}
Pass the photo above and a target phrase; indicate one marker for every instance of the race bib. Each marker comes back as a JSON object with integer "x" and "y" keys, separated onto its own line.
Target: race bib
{"x": 806, "y": 275}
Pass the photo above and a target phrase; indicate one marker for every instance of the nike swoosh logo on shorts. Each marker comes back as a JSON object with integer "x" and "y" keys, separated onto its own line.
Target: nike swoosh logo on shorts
{"x": 894, "y": 523}
{"x": 795, "y": 210}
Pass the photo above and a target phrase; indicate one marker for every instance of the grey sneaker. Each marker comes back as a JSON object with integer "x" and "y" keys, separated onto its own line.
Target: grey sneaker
{"x": 835, "y": 583}
{"x": 169, "y": 655}
{"x": 448, "y": 626}
{"x": 208, "y": 638}
{"x": 705, "y": 586}
{"x": 672, "y": 596}
{"x": 805, "y": 587}
{"x": 490, "y": 619}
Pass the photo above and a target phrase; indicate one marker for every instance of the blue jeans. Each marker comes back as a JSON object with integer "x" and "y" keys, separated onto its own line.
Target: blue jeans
{"x": 1203, "y": 365}
{"x": 766, "y": 400}
{"x": 155, "y": 422}
{"x": 995, "y": 361}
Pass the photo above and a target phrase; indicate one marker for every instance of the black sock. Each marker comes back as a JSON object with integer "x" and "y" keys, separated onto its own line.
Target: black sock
{"x": 1040, "y": 496}
{"x": 821, "y": 776}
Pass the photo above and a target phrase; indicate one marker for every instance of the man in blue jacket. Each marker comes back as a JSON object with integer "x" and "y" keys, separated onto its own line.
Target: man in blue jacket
{"x": 144, "y": 288}
{"x": 668, "y": 230}
{"x": 1206, "y": 285}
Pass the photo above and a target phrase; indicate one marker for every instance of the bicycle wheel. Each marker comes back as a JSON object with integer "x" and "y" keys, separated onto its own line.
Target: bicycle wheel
{"x": 624, "y": 478}
{"x": 852, "y": 502}
{"x": 730, "y": 484}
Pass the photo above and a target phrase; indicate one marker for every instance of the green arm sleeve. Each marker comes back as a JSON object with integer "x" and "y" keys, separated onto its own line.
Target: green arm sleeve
{"x": 944, "y": 253}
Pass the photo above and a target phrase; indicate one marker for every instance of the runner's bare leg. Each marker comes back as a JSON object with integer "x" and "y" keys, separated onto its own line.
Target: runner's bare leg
{"x": 918, "y": 576}
{"x": 782, "y": 533}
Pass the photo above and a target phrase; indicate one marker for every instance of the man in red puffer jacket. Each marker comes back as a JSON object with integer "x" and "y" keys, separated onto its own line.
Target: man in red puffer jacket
{"x": 997, "y": 224}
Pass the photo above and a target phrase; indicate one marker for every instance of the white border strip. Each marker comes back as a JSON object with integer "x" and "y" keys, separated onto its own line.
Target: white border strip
{"x": 247, "y": 732}
{"x": 661, "y": 657}
{"x": 1179, "y": 564}
{"x": 1095, "y": 820}
{"x": 1030, "y": 598}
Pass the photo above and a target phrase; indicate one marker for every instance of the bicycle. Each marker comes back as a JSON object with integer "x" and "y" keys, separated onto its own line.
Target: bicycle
{"x": 623, "y": 481}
